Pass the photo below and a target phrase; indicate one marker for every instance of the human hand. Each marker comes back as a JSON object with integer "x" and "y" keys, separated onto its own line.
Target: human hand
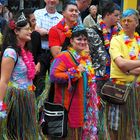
{"x": 81, "y": 68}
{"x": 37, "y": 67}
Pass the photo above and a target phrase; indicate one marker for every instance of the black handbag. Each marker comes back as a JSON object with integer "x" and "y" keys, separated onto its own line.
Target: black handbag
{"x": 116, "y": 93}
{"x": 56, "y": 118}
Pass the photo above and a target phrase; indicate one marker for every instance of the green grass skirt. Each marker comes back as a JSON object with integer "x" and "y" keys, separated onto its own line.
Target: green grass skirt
{"x": 129, "y": 120}
{"x": 21, "y": 122}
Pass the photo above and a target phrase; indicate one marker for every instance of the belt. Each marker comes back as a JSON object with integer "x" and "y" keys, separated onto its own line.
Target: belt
{"x": 22, "y": 86}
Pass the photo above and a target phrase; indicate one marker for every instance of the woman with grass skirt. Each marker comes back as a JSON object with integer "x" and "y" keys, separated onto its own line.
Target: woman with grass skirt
{"x": 124, "y": 120}
{"x": 73, "y": 69}
{"x": 17, "y": 98}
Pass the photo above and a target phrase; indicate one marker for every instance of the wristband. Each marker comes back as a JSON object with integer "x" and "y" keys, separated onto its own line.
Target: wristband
{"x": 3, "y": 106}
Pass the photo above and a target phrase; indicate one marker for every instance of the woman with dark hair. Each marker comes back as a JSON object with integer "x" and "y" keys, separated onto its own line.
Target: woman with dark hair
{"x": 16, "y": 86}
{"x": 72, "y": 69}
{"x": 37, "y": 52}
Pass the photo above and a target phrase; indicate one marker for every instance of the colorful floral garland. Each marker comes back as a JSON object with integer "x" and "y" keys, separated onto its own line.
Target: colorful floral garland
{"x": 67, "y": 29}
{"x": 90, "y": 126}
{"x": 106, "y": 37}
{"x": 129, "y": 43}
{"x": 29, "y": 62}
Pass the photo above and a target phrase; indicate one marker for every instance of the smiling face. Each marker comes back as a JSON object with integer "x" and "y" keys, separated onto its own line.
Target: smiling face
{"x": 24, "y": 33}
{"x": 71, "y": 13}
{"x": 79, "y": 43}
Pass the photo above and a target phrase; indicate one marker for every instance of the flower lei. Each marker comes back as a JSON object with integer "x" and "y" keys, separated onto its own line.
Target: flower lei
{"x": 84, "y": 59}
{"x": 128, "y": 42}
{"x": 29, "y": 62}
{"x": 106, "y": 37}
{"x": 67, "y": 29}
{"x": 92, "y": 110}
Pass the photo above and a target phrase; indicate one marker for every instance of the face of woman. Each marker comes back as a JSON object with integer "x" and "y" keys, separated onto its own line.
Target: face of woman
{"x": 24, "y": 34}
{"x": 79, "y": 43}
{"x": 32, "y": 20}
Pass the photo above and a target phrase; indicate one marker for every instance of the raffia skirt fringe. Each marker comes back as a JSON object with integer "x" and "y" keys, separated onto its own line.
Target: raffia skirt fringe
{"x": 21, "y": 122}
{"x": 129, "y": 119}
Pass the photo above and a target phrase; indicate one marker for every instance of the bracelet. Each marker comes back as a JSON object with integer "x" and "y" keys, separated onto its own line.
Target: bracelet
{"x": 3, "y": 106}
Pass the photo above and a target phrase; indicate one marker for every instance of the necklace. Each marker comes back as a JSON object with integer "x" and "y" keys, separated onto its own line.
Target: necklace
{"x": 84, "y": 59}
{"x": 107, "y": 37}
{"x": 29, "y": 62}
{"x": 91, "y": 116}
{"x": 67, "y": 29}
{"x": 129, "y": 43}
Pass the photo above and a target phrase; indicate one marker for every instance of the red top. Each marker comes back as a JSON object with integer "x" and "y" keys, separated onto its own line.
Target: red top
{"x": 57, "y": 35}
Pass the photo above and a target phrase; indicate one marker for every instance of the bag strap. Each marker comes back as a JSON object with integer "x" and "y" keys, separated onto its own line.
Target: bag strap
{"x": 134, "y": 81}
{"x": 75, "y": 86}
{"x": 73, "y": 58}
{"x": 72, "y": 95}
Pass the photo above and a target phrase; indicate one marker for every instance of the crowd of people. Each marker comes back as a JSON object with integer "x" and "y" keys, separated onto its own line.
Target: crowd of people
{"x": 77, "y": 53}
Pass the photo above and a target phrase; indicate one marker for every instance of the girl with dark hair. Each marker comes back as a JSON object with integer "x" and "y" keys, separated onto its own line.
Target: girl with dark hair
{"x": 73, "y": 68}
{"x": 16, "y": 86}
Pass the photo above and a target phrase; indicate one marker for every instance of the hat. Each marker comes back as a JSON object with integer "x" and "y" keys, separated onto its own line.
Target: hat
{"x": 79, "y": 27}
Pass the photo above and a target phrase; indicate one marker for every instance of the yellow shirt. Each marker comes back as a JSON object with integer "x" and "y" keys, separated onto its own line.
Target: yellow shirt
{"x": 119, "y": 48}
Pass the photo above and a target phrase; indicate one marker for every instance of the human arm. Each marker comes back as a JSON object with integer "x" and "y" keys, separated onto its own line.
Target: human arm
{"x": 128, "y": 65}
{"x": 121, "y": 57}
{"x": 39, "y": 19}
{"x": 42, "y": 31}
{"x": 54, "y": 42}
{"x": 135, "y": 71}
{"x": 59, "y": 72}
{"x": 7, "y": 65}
{"x": 6, "y": 71}
{"x": 37, "y": 67}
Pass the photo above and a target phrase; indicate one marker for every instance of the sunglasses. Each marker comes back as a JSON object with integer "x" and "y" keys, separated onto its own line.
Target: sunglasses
{"x": 126, "y": 20}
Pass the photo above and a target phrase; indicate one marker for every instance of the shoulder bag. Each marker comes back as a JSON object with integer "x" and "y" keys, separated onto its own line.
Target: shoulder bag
{"x": 116, "y": 93}
{"x": 56, "y": 118}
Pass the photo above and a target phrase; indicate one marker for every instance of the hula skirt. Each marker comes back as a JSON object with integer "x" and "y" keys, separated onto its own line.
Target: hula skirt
{"x": 21, "y": 122}
{"x": 128, "y": 120}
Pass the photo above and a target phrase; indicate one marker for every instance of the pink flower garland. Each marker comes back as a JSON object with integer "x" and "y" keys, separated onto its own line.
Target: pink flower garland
{"x": 29, "y": 62}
